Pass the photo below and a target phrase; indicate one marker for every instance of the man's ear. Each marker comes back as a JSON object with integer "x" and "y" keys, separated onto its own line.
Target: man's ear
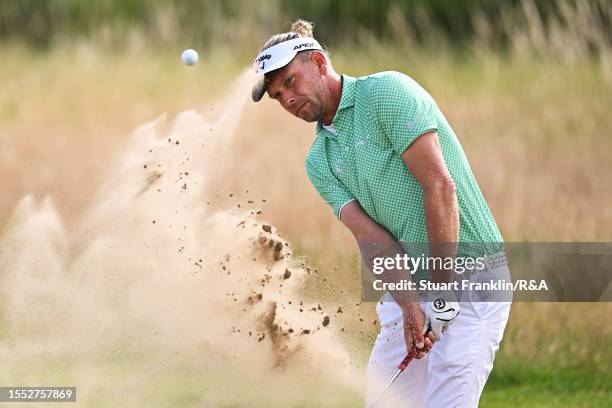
{"x": 320, "y": 61}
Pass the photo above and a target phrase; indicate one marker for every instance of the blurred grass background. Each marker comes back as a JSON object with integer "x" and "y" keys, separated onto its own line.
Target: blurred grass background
{"x": 527, "y": 86}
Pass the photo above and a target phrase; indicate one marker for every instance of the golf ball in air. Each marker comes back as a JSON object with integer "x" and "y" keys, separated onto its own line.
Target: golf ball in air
{"x": 189, "y": 57}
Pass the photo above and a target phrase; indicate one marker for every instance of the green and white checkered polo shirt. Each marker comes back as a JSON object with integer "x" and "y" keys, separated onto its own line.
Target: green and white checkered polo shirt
{"x": 379, "y": 116}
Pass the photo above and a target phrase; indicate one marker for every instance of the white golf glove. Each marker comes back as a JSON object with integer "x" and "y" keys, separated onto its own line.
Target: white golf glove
{"x": 441, "y": 309}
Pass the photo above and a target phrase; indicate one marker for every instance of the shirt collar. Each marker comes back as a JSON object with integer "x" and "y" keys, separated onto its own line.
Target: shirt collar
{"x": 348, "y": 92}
{"x": 346, "y": 100}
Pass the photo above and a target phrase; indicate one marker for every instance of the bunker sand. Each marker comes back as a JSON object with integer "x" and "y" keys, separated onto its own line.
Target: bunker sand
{"x": 160, "y": 296}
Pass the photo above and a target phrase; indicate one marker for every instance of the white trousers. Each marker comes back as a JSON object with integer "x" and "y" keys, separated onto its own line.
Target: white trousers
{"x": 454, "y": 372}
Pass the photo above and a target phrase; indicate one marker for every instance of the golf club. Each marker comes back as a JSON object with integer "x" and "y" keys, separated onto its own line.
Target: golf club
{"x": 400, "y": 369}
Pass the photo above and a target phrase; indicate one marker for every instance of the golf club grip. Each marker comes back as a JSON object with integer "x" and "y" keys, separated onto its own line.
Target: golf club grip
{"x": 410, "y": 356}
{"x": 405, "y": 362}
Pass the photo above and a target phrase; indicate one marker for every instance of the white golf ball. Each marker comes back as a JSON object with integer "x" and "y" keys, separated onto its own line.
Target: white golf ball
{"x": 189, "y": 57}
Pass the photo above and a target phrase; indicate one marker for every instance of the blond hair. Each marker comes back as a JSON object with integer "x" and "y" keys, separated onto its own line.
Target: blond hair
{"x": 300, "y": 28}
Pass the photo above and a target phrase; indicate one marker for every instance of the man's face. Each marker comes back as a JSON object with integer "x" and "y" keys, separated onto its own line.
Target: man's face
{"x": 299, "y": 88}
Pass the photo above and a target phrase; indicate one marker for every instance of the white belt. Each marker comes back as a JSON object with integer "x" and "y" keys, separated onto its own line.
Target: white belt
{"x": 495, "y": 260}
{"x": 490, "y": 261}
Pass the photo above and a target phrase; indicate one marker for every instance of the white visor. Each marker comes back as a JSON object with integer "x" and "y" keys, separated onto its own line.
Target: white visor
{"x": 283, "y": 53}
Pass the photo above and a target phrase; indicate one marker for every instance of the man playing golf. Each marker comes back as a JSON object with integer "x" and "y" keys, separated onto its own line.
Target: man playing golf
{"x": 391, "y": 168}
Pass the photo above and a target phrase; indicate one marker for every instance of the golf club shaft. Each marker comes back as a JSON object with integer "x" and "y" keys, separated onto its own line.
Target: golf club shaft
{"x": 400, "y": 369}
{"x": 397, "y": 373}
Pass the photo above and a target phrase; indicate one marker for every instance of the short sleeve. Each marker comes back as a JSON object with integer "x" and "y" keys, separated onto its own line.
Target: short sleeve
{"x": 328, "y": 186}
{"x": 403, "y": 109}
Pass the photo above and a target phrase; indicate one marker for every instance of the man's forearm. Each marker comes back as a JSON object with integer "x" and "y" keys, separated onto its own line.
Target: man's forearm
{"x": 389, "y": 249}
{"x": 375, "y": 241}
{"x": 442, "y": 218}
